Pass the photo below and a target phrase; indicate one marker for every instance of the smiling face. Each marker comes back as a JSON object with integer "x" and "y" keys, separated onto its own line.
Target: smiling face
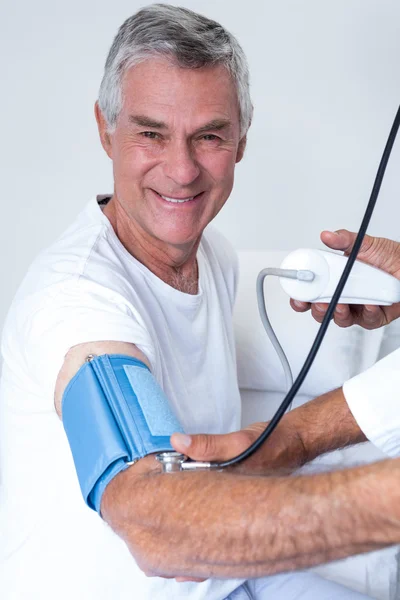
{"x": 174, "y": 149}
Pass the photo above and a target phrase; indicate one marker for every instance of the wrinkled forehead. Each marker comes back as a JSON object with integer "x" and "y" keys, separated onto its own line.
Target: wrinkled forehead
{"x": 161, "y": 89}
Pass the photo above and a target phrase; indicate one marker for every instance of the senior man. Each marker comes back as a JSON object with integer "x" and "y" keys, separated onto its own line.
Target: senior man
{"x": 139, "y": 274}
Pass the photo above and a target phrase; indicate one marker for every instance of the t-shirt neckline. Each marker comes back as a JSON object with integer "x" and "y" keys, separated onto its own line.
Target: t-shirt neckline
{"x": 165, "y": 288}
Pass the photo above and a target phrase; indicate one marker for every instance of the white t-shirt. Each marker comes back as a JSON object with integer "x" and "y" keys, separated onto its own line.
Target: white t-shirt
{"x": 374, "y": 400}
{"x": 87, "y": 287}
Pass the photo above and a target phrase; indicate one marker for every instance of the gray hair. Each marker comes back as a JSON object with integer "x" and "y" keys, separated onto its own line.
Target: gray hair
{"x": 190, "y": 39}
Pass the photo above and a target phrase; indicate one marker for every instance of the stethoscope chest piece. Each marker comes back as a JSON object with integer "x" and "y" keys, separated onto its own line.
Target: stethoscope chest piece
{"x": 174, "y": 461}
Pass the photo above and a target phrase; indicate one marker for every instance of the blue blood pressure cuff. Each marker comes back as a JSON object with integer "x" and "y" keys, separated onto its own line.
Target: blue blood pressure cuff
{"x": 114, "y": 412}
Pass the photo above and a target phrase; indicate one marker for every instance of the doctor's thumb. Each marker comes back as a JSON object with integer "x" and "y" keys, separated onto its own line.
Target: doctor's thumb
{"x": 376, "y": 251}
{"x": 342, "y": 239}
{"x": 371, "y": 249}
{"x": 208, "y": 447}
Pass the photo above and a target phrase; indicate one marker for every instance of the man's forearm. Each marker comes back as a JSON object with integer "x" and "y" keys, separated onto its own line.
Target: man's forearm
{"x": 325, "y": 424}
{"x": 211, "y": 524}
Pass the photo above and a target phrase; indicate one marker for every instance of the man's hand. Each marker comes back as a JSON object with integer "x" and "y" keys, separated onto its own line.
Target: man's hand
{"x": 283, "y": 450}
{"x": 378, "y": 252}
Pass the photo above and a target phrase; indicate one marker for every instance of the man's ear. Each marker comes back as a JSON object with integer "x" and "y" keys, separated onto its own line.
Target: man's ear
{"x": 103, "y": 130}
{"x": 241, "y": 148}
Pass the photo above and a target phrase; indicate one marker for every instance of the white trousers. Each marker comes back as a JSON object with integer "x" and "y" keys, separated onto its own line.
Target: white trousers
{"x": 294, "y": 586}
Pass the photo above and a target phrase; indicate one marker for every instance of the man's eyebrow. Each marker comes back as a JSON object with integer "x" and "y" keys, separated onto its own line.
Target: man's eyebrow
{"x": 215, "y": 125}
{"x": 143, "y": 121}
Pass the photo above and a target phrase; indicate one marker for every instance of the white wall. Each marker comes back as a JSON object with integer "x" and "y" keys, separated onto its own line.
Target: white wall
{"x": 325, "y": 85}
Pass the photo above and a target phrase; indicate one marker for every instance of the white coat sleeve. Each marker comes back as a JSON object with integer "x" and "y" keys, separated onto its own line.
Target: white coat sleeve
{"x": 374, "y": 400}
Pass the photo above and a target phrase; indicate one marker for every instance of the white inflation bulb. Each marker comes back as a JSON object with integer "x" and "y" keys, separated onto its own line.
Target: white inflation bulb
{"x": 365, "y": 285}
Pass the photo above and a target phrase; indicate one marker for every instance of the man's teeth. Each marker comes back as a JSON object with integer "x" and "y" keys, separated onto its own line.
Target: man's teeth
{"x": 176, "y": 199}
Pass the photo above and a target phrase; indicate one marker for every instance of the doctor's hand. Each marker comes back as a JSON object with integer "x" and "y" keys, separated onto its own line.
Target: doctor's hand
{"x": 284, "y": 450}
{"x": 378, "y": 252}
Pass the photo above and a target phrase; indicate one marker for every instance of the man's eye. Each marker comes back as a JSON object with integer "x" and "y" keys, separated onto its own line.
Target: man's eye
{"x": 210, "y": 137}
{"x": 151, "y": 135}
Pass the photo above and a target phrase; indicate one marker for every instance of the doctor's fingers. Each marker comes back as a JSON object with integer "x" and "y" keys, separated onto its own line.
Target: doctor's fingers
{"x": 391, "y": 312}
{"x": 373, "y": 317}
{"x": 342, "y": 315}
{"x": 366, "y": 316}
{"x": 345, "y": 315}
{"x": 299, "y": 306}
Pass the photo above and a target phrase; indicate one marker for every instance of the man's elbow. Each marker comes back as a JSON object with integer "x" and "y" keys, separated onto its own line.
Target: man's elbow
{"x": 129, "y": 506}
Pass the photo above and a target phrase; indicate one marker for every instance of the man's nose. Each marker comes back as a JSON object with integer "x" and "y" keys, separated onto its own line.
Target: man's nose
{"x": 180, "y": 164}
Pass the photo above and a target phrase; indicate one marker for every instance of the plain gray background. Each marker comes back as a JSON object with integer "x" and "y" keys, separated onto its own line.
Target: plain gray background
{"x": 325, "y": 82}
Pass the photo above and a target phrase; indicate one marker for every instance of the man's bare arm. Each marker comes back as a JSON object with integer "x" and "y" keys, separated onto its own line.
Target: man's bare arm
{"x": 210, "y": 524}
{"x": 77, "y": 356}
{"x": 226, "y": 524}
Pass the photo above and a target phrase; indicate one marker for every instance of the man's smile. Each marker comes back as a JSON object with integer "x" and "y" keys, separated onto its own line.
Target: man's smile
{"x": 178, "y": 199}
